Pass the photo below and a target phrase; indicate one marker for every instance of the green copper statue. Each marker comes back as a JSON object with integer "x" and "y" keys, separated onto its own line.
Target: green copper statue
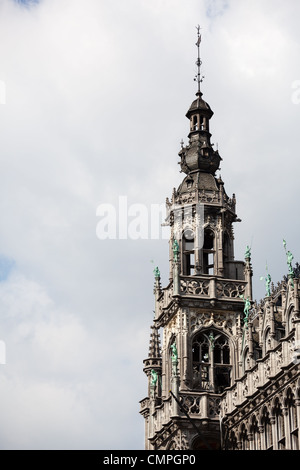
{"x": 289, "y": 259}
{"x": 175, "y": 250}
{"x": 289, "y": 262}
{"x": 248, "y": 252}
{"x": 268, "y": 285}
{"x": 268, "y": 280}
{"x": 211, "y": 340}
{"x": 154, "y": 377}
{"x": 247, "y": 306}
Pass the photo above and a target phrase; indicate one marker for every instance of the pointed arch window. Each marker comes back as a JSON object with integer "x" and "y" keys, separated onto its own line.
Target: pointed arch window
{"x": 246, "y": 359}
{"x": 267, "y": 429}
{"x": 222, "y": 369}
{"x": 188, "y": 252}
{"x": 211, "y": 362}
{"x": 202, "y": 123}
{"x": 228, "y": 256}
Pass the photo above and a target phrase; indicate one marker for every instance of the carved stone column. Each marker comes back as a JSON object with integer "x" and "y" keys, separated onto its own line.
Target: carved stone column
{"x": 274, "y": 433}
{"x": 262, "y": 437}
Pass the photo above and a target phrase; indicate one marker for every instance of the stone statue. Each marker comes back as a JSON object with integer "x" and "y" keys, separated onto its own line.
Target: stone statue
{"x": 268, "y": 280}
{"x": 289, "y": 262}
{"x": 247, "y": 306}
{"x": 211, "y": 340}
{"x": 268, "y": 285}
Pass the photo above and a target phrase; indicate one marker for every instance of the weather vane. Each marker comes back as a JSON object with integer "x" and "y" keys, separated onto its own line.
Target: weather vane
{"x": 199, "y": 78}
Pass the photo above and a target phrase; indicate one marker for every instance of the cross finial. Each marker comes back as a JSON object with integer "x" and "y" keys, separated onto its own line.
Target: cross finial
{"x": 199, "y": 77}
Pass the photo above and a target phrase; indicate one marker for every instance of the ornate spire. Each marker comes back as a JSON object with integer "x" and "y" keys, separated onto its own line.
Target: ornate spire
{"x": 198, "y": 78}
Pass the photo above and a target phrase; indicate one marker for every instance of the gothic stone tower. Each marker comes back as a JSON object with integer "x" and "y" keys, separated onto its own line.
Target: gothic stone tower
{"x": 202, "y": 312}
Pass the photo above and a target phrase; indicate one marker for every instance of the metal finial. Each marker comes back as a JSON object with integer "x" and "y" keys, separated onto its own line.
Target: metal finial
{"x": 199, "y": 77}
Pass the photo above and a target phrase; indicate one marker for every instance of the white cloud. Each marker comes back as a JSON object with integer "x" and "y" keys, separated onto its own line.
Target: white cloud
{"x": 56, "y": 373}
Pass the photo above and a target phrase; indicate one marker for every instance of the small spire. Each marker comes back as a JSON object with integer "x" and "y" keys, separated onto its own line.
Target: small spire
{"x": 199, "y": 78}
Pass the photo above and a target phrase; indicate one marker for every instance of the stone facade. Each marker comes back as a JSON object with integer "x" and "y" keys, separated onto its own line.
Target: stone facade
{"x": 261, "y": 410}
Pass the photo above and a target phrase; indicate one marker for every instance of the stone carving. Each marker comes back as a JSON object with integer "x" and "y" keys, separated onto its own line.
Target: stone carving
{"x": 193, "y": 287}
{"x": 214, "y": 405}
{"x": 191, "y": 404}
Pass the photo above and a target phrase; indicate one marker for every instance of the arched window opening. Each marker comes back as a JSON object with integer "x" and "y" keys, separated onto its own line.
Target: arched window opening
{"x": 221, "y": 363}
{"x": 257, "y": 351}
{"x": 254, "y": 430}
{"x": 279, "y": 301}
{"x": 188, "y": 253}
{"x": 201, "y": 364}
{"x": 290, "y": 322}
{"x": 194, "y": 123}
{"x": 211, "y": 362}
{"x": 208, "y": 252}
{"x": 279, "y": 330}
{"x": 202, "y": 123}
{"x": 246, "y": 360}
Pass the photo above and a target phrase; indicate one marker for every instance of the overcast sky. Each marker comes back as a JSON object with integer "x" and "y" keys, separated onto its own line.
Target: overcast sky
{"x": 93, "y": 99}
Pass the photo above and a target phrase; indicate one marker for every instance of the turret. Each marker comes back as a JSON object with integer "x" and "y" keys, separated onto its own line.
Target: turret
{"x": 199, "y": 154}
